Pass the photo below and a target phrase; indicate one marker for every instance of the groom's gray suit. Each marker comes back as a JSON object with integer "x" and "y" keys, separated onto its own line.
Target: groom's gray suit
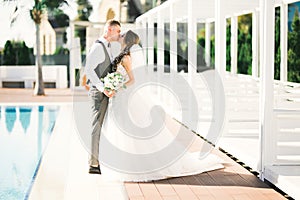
{"x": 98, "y": 100}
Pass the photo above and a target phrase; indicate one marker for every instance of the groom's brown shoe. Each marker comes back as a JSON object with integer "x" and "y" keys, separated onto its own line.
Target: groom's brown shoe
{"x": 95, "y": 170}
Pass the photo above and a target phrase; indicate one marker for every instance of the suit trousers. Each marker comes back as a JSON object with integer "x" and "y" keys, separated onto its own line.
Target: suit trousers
{"x": 98, "y": 103}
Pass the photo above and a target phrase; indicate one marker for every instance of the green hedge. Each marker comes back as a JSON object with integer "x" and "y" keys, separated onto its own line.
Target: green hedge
{"x": 16, "y": 53}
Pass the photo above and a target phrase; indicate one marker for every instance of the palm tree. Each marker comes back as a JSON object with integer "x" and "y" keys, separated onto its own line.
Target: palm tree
{"x": 36, "y": 13}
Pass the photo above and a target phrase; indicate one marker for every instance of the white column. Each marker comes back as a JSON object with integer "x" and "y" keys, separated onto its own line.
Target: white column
{"x": 207, "y": 43}
{"x": 255, "y": 42}
{"x": 75, "y": 61}
{"x": 141, "y": 27}
{"x": 173, "y": 40}
{"x": 220, "y": 38}
{"x": 192, "y": 39}
{"x": 261, "y": 40}
{"x": 283, "y": 41}
{"x": 192, "y": 58}
{"x": 138, "y": 23}
{"x": 144, "y": 38}
{"x": 173, "y": 54}
{"x": 160, "y": 54}
{"x": 72, "y": 56}
{"x": 150, "y": 44}
{"x": 160, "y": 43}
{"x": 219, "y": 72}
{"x": 267, "y": 138}
{"x": 138, "y": 28}
{"x": 234, "y": 44}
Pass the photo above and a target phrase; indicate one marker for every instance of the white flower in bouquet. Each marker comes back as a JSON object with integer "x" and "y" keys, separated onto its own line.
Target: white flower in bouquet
{"x": 113, "y": 81}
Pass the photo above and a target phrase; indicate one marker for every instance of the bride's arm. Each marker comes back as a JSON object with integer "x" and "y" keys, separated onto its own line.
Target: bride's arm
{"x": 126, "y": 62}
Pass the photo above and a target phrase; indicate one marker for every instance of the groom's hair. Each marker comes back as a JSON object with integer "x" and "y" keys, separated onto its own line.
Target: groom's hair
{"x": 113, "y": 22}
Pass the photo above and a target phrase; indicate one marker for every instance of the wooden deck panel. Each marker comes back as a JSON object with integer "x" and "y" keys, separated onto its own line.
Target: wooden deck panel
{"x": 209, "y": 185}
{"x": 233, "y": 182}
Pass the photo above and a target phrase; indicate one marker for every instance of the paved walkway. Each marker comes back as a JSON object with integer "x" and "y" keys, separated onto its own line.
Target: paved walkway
{"x": 26, "y": 96}
{"x": 63, "y": 171}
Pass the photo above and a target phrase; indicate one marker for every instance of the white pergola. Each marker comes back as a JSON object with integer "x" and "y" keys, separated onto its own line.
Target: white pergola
{"x": 195, "y": 11}
{"x": 218, "y": 11}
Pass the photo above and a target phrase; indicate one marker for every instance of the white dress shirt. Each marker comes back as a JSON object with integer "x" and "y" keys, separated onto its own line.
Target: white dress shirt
{"x": 95, "y": 56}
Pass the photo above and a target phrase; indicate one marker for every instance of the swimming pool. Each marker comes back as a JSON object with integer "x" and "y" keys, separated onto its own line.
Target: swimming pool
{"x": 24, "y": 134}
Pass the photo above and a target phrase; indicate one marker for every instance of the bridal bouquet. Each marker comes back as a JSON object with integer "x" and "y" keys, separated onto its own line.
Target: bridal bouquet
{"x": 113, "y": 81}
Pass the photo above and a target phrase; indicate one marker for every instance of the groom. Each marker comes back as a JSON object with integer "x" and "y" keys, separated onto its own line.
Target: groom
{"x": 98, "y": 64}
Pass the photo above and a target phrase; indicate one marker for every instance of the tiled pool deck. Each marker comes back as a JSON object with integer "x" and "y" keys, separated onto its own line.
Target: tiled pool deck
{"x": 63, "y": 170}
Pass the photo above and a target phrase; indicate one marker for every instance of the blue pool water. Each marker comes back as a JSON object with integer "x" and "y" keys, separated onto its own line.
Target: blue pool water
{"x": 24, "y": 134}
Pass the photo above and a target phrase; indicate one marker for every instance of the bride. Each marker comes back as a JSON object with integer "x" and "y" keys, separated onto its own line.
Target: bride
{"x": 139, "y": 141}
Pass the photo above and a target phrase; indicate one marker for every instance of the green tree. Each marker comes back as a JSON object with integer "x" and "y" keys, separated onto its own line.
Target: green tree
{"x": 201, "y": 51}
{"x": 245, "y": 23}
{"x": 55, "y": 13}
{"x": 1, "y": 57}
{"x": 244, "y": 53}
{"x": 182, "y": 47}
{"x": 84, "y": 10}
{"x": 23, "y": 54}
{"x": 294, "y": 50}
{"x": 212, "y": 50}
{"x": 59, "y": 17}
{"x": 9, "y": 55}
{"x": 277, "y": 59}
{"x": 228, "y": 46}
{"x": 167, "y": 51}
{"x": 16, "y": 53}
{"x": 61, "y": 51}
{"x": 245, "y": 44}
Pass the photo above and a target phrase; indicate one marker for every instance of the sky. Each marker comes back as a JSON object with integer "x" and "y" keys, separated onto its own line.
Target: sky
{"x": 24, "y": 28}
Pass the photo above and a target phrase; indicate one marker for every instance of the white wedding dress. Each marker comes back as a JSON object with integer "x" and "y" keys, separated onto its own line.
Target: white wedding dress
{"x": 141, "y": 143}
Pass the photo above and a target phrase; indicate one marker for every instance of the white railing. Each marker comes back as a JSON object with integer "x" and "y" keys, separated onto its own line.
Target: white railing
{"x": 51, "y": 74}
{"x": 242, "y": 106}
{"x": 287, "y": 124}
{"x": 287, "y": 137}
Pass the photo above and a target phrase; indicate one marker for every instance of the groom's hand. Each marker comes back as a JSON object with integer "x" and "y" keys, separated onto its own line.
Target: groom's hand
{"x": 109, "y": 93}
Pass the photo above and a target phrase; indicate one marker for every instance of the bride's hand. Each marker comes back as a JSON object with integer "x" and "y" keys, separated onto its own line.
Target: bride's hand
{"x": 109, "y": 93}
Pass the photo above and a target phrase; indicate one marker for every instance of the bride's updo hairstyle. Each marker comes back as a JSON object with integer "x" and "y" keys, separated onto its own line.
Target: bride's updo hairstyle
{"x": 130, "y": 39}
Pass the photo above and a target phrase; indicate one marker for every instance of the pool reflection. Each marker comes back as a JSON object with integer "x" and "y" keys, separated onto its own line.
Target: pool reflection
{"x": 25, "y": 113}
{"x": 10, "y": 118}
{"x": 24, "y": 134}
